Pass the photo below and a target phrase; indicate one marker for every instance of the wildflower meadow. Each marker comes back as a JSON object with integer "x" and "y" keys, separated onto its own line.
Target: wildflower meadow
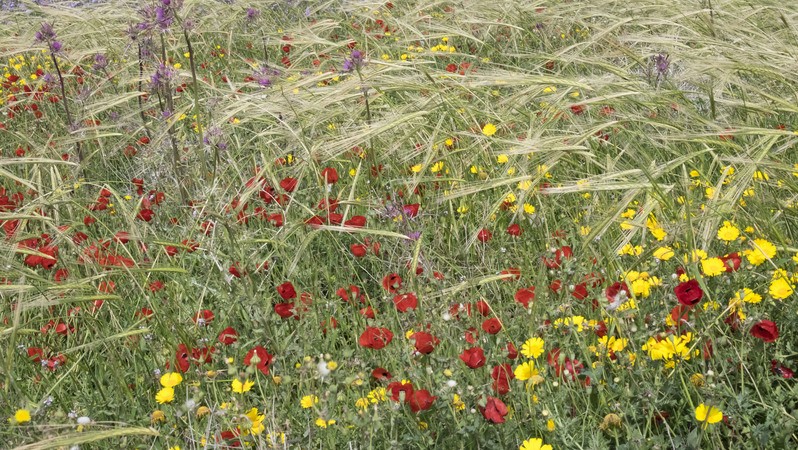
{"x": 525, "y": 224}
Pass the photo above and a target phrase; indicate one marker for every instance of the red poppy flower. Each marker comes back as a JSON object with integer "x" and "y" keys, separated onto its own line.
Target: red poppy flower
{"x": 492, "y": 326}
{"x": 328, "y": 204}
{"x": 202, "y": 355}
{"x": 61, "y": 275}
{"x": 396, "y": 388}
{"x": 765, "y": 330}
{"x": 483, "y": 308}
{"x": 285, "y": 310}
{"x": 473, "y": 357}
{"x": 613, "y": 293}
{"x": 512, "y": 352}
{"x": 405, "y": 302}
{"x": 192, "y": 246}
{"x": 264, "y": 359}
{"x": 392, "y": 282}
{"x": 514, "y": 230}
{"x": 315, "y": 221}
{"x": 145, "y": 313}
{"x": 333, "y": 324}
{"x": 577, "y": 109}
{"x": 565, "y": 367}
{"x": 267, "y": 194}
{"x": 228, "y": 336}
{"x": 156, "y": 286}
{"x": 356, "y": 222}
{"x": 502, "y": 374}
{"x": 79, "y": 237}
{"x": 56, "y": 362}
{"x": 471, "y": 335}
{"x": 732, "y": 261}
{"x": 484, "y": 235}
{"x": 425, "y": 342}
{"x": 688, "y": 293}
{"x": 204, "y": 317}
{"x": 350, "y": 293}
{"x": 47, "y": 261}
{"x": 329, "y": 175}
{"x": 375, "y": 338}
{"x": 289, "y": 184}
{"x": 580, "y": 291}
{"x": 35, "y": 354}
{"x": 514, "y": 272}
{"x": 121, "y": 237}
{"x": 556, "y": 262}
{"x": 89, "y": 220}
{"x": 494, "y": 410}
{"x": 381, "y": 374}
{"x": 553, "y": 357}
{"x": 276, "y": 220}
{"x": 286, "y": 291}
{"x": 367, "y": 312}
{"x": 600, "y": 329}
{"x": 410, "y": 211}
{"x": 358, "y": 250}
{"x": 233, "y": 270}
{"x": 64, "y": 329}
{"x": 680, "y": 314}
{"x": 525, "y": 295}
{"x": 181, "y": 358}
{"x": 421, "y": 400}
{"x": 780, "y": 370}
{"x": 335, "y": 218}
{"x": 145, "y": 215}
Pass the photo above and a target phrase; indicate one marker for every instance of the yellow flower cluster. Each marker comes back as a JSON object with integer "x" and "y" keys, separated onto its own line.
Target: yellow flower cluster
{"x": 762, "y": 251}
{"x": 609, "y": 345}
{"x": 577, "y": 322}
{"x": 631, "y": 250}
{"x": 641, "y": 283}
{"x": 169, "y": 381}
{"x": 670, "y": 350}
{"x": 372, "y": 398}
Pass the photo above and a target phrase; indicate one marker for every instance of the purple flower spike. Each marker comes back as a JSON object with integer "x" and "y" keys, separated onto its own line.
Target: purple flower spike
{"x": 252, "y": 14}
{"x": 355, "y": 61}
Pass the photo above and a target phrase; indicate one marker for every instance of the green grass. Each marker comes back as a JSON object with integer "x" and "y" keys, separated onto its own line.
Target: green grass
{"x": 596, "y": 149}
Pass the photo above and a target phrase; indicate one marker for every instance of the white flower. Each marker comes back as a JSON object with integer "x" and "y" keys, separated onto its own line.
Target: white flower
{"x": 83, "y": 420}
{"x": 323, "y": 370}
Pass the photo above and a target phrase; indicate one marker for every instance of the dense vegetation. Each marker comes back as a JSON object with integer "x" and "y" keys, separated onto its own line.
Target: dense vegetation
{"x": 408, "y": 224}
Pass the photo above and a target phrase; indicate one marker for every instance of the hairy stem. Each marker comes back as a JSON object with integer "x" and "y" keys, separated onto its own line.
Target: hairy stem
{"x": 141, "y": 102}
{"x": 195, "y": 88}
{"x": 66, "y": 103}
{"x": 167, "y": 91}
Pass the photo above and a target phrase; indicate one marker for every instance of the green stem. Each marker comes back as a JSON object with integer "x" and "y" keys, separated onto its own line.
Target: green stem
{"x": 167, "y": 90}
{"x": 140, "y": 88}
{"x": 65, "y": 102}
{"x": 195, "y": 88}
